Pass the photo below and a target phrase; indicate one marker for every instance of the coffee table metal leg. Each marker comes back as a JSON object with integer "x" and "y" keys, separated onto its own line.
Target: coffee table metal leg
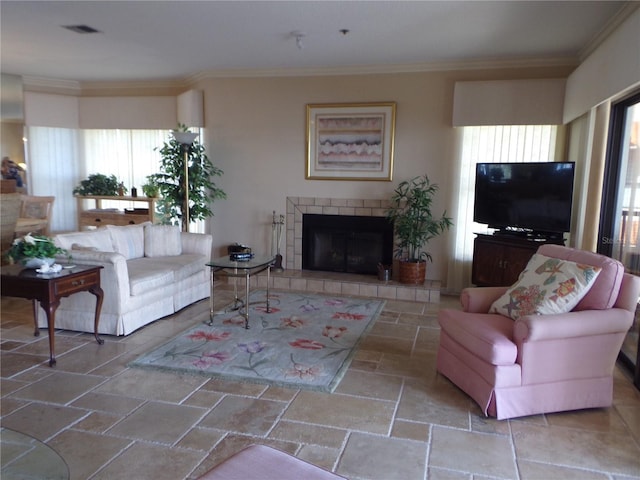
{"x": 246, "y": 303}
{"x": 211, "y": 292}
{"x": 268, "y": 281}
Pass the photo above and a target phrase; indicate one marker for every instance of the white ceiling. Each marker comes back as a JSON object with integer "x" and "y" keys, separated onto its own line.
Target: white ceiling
{"x": 173, "y": 40}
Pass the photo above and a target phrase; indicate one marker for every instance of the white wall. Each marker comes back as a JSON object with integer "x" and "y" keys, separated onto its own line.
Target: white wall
{"x": 255, "y": 131}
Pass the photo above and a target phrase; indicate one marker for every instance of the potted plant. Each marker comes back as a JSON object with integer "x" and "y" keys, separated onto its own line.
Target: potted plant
{"x": 99, "y": 184}
{"x": 170, "y": 182}
{"x": 150, "y": 189}
{"x": 33, "y": 251}
{"x": 415, "y": 226}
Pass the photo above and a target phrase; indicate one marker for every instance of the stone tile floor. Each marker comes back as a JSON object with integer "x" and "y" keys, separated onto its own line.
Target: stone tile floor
{"x": 391, "y": 417}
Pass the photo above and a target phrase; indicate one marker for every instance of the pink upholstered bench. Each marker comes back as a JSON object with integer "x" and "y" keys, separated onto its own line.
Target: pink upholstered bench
{"x": 266, "y": 463}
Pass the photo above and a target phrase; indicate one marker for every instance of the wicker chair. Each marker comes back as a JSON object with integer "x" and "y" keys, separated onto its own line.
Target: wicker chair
{"x": 35, "y": 215}
{"x": 9, "y": 211}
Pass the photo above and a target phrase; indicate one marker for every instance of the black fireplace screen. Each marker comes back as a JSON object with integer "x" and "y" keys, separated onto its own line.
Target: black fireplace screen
{"x": 343, "y": 243}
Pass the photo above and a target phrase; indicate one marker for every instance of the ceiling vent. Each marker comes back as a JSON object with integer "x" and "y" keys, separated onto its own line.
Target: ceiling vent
{"x": 81, "y": 28}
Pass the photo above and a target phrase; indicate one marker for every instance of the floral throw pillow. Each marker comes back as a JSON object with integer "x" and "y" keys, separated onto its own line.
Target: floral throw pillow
{"x": 546, "y": 286}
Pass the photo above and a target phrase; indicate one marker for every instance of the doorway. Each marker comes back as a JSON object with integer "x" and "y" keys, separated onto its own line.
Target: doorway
{"x": 620, "y": 217}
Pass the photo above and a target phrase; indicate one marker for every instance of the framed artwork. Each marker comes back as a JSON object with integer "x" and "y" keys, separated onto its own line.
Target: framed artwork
{"x": 350, "y": 141}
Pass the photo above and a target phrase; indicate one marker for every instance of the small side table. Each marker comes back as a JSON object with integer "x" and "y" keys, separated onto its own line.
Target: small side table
{"x": 48, "y": 289}
{"x": 244, "y": 269}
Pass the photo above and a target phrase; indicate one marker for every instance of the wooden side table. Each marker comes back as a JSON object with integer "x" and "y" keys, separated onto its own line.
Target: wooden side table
{"x": 98, "y": 217}
{"x": 48, "y": 289}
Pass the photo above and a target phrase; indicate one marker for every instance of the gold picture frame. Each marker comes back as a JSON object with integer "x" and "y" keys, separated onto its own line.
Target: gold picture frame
{"x": 350, "y": 141}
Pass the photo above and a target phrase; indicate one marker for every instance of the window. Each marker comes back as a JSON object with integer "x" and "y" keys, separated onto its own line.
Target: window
{"x": 518, "y": 143}
{"x": 620, "y": 213}
{"x": 59, "y": 158}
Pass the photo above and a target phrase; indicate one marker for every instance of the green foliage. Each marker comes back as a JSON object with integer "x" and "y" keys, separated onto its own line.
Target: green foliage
{"x": 414, "y": 224}
{"x": 98, "y": 184}
{"x": 170, "y": 181}
{"x": 150, "y": 189}
{"x": 33, "y": 246}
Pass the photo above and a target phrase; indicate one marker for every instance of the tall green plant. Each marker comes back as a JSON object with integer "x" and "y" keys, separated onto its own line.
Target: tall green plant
{"x": 170, "y": 182}
{"x": 414, "y": 224}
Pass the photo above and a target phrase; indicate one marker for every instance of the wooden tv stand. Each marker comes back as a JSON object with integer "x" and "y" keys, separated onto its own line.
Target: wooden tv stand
{"x": 499, "y": 259}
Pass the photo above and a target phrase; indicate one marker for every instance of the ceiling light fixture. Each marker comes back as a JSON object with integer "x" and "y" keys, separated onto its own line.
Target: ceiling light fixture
{"x": 298, "y": 35}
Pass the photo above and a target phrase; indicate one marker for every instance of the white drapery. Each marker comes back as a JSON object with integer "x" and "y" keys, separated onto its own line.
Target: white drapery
{"x": 518, "y": 143}
{"x": 53, "y": 166}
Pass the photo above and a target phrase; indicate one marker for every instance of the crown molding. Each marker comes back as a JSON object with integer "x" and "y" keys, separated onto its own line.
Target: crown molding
{"x": 50, "y": 85}
{"x": 612, "y": 25}
{"x": 487, "y": 64}
{"x": 134, "y": 87}
{"x": 103, "y": 88}
{"x": 177, "y": 86}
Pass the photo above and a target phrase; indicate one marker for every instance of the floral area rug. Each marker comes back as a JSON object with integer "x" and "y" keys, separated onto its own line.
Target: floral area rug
{"x": 305, "y": 341}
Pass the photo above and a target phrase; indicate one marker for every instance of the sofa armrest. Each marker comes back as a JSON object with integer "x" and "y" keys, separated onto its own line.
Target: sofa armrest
{"x": 629, "y": 293}
{"x": 573, "y": 324}
{"x": 479, "y": 299}
{"x": 114, "y": 276}
{"x": 199, "y": 243}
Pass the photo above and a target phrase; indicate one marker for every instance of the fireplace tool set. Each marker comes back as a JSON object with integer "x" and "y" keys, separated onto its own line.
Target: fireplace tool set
{"x": 277, "y": 225}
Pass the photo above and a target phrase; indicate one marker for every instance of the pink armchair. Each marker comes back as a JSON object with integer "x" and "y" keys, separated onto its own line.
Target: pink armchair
{"x": 540, "y": 363}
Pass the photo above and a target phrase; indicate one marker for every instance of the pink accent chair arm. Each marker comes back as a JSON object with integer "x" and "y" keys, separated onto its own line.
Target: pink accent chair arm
{"x": 479, "y": 299}
{"x": 629, "y": 292}
{"x": 573, "y": 324}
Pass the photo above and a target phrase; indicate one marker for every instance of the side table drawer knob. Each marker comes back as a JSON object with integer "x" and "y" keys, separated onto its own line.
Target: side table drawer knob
{"x": 78, "y": 282}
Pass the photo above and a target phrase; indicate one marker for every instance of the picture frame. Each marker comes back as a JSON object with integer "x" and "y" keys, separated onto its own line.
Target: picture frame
{"x": 350, "y": 141}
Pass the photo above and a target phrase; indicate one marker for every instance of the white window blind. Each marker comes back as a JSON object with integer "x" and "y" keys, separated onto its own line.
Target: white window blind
{"x": 520, "y": 143}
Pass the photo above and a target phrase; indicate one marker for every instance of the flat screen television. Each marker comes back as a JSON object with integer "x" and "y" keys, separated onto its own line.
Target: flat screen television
{"x": 531, "y": 199}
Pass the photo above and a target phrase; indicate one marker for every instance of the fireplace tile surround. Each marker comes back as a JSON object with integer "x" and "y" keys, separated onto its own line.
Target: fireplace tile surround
{"x": 294, "y": 278}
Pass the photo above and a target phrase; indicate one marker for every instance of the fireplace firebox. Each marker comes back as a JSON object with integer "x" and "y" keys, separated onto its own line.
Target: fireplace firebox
{"x": 344, "y": 243}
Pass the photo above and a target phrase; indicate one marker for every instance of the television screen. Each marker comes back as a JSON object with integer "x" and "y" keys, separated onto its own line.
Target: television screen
{"x": 530, "y": 197}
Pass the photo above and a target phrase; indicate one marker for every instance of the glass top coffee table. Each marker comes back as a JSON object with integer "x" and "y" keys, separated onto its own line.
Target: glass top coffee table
{"x": 244, "y": 268}
{"x": 26, "y": 457}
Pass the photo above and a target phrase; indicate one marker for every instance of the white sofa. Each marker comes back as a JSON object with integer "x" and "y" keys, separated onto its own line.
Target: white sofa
{"x": 150, "y": 271}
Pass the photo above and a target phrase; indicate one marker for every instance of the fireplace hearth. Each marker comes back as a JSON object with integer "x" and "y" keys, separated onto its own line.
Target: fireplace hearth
{"x": 346, "y": 243}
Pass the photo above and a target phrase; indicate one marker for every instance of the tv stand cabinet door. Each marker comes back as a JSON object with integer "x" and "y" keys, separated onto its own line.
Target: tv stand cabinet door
{"x": 516, "y": 259}
{"x": 498, "y": 261}
{"x": 487, "y": 263}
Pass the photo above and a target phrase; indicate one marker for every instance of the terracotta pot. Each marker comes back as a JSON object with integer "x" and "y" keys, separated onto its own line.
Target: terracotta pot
{"x": 412, "y": 272}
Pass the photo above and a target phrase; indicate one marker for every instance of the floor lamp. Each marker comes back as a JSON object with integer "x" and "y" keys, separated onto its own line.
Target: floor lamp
{"x": 185, "y": 139}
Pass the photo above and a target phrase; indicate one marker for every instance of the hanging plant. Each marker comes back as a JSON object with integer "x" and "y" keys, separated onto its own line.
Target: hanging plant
{"x": 170, "y": 182}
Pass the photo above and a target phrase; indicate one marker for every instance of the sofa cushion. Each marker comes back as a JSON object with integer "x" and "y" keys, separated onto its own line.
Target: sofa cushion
{"x": 146, "y": 275}
{"x": 128, "y": 240}
{"x": 546, "y": 286}
{"x": 99, "y": 240}
{"x": 182, "y": 266}
{"x": 604, "y": 292}
{"x": 162, "y": 240}
{"x": 487, "y": 336}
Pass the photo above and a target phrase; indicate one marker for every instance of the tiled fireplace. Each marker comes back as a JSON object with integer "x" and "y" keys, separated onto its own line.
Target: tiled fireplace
{"x": 294, "y": 278}
{"x": 298, "y": 206}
